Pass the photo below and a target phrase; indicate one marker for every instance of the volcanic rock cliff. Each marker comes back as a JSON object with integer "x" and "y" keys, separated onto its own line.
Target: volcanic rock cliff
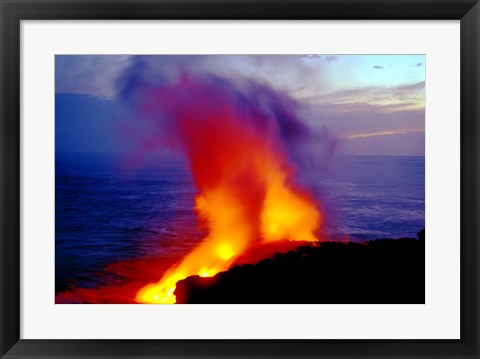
{"x": 385, "y": 271}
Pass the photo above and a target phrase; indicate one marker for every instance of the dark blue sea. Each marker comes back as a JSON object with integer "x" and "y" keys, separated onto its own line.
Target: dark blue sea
{"x": 109, "y": 210}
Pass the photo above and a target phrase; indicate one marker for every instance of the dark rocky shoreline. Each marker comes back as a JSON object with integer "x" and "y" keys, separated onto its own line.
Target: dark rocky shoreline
{"x": 383, "y": 271}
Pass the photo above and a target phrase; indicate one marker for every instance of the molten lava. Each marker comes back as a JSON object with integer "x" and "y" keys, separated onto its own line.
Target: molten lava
{"x": 246, "y": 193}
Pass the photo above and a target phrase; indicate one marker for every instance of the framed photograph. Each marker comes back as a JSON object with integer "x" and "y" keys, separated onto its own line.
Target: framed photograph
{"x": 238, "y": 179}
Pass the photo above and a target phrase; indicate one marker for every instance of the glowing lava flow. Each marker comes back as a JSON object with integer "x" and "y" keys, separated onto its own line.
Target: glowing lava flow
{"x": 246, "y": 194}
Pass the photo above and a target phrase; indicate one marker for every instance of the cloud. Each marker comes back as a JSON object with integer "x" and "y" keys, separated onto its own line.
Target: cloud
{"x": 409, "y": 91}
{"x": 409, "y": 144}
{"x": 390, "y": 98}
{"x": 416, "y": 86}
{"x": 103, "y": 75}
{"x": 331, "y": 58}
{"x": 89, "y": 75}
{"x": 381, "y": 133}
{"x": 364, "y": 112}
{"x": 363, "y": 129}
{"x": 290, "y": 73}
{"x": 377, "y": 67}
{"x": 344, "y": 120}
{"x": 149, "y": 70}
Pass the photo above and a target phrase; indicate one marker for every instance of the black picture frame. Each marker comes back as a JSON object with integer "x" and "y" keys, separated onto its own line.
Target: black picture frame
{"x": 14, "y": 11}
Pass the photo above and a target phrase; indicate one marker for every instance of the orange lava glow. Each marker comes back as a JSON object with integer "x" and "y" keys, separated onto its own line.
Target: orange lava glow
{"x": 247, "y": 197}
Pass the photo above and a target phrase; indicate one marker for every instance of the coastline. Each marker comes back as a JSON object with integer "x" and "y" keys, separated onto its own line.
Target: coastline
{"x": 382, "y": 271}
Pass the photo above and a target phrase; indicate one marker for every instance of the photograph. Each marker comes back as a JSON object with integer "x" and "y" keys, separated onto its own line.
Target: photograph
{"x": 193, "y": 179}
{"x": 240, "y": 179}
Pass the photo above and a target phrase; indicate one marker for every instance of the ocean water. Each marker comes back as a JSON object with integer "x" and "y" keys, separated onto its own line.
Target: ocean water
{"x": 372, "y": 197}
{"x": 109, "y": 210}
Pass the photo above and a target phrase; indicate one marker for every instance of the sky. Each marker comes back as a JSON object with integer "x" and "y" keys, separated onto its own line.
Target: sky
{"x": 368, "y": 104}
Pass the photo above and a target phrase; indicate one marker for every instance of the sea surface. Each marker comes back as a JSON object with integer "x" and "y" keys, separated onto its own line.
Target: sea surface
{"x": 111, "y": 208}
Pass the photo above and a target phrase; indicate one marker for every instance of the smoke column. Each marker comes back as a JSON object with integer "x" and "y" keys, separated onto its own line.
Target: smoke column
{"x": 235, "y": 138}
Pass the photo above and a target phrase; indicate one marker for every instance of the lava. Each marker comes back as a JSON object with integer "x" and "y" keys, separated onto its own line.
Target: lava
{"x": 235, "y": 140}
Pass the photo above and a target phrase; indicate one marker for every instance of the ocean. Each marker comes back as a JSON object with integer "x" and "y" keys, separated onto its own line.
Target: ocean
{"x": 110, "y": 208}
